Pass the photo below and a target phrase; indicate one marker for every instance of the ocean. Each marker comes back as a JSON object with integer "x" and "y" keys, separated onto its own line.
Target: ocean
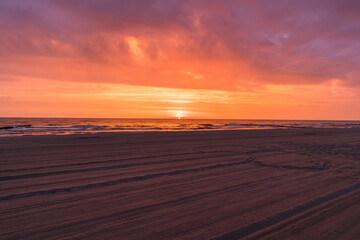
{"x": 46, "y": 126}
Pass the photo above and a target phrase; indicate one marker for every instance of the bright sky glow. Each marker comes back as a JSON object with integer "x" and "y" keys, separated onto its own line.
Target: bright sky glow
{"x": 193, "y": 59}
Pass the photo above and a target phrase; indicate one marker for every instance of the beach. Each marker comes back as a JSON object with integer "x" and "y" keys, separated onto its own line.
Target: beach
{"x": 240, "y": 184}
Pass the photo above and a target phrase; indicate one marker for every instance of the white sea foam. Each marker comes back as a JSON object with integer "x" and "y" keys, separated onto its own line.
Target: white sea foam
{"x": 26, "y": 126}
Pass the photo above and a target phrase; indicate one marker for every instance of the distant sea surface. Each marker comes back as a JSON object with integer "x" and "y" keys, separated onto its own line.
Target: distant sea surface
{"x": 46, "y": 126}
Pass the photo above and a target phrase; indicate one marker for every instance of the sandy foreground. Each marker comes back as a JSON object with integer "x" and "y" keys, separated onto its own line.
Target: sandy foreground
{"x": 257, "y": 184}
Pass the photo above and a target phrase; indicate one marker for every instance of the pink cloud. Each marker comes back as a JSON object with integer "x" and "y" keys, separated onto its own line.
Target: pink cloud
{"x": 231, "y": 44}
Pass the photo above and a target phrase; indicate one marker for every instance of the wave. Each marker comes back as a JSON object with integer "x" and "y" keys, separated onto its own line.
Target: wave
{"x": 49, "y": 127}
{"x": 208, "y": 126}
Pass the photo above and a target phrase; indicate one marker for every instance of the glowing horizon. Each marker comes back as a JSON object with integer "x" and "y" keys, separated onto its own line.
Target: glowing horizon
{"x": 187, "y": 59}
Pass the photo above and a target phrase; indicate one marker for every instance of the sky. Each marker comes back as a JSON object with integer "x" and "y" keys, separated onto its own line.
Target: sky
{"x": 244, "y": 59}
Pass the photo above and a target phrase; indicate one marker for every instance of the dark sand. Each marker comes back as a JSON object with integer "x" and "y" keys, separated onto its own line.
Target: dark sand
{"x": 259, "y": 184}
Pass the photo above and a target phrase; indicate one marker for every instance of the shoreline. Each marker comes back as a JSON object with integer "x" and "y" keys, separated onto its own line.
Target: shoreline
{"x": 183, "y": 131}
{"x": 21, "y": 127}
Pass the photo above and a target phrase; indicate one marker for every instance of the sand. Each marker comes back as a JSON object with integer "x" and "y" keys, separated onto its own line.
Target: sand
{"x": 251, "y": 184}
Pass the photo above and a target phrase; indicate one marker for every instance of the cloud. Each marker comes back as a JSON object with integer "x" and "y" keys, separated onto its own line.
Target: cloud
{"x": 197, "y": 44}
{"x": 32, "y": 97}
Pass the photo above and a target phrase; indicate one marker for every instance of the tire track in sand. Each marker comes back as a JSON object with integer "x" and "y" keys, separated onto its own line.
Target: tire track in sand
{"x": 279, "y": 217}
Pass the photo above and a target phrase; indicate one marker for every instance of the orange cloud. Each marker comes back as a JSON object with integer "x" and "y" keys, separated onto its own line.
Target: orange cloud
{"x": 44, "y": 98}
{"x": 202, "y": 58}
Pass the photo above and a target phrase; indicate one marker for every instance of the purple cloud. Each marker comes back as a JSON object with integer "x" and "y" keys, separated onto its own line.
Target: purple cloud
{"x": 282, "y": 41}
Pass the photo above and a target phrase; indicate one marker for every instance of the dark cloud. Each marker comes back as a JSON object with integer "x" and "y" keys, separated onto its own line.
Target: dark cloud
{"x": 280, "y": 41}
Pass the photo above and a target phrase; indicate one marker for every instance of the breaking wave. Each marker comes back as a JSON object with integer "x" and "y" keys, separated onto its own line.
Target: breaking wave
{"x": 10, "y": 127}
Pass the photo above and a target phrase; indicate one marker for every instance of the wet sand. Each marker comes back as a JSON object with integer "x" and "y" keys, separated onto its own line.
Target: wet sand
{"x": 257, "y": 184}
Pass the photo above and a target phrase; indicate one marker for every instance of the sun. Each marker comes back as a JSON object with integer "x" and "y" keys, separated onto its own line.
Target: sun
{"x": 179, "y": 114}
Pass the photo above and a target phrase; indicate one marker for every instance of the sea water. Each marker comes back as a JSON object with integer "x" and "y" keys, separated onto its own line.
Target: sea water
{"x": 44, "y": 126}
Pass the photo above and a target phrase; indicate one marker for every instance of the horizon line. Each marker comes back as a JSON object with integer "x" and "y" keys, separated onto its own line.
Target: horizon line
{"x": 185, "y": 118}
